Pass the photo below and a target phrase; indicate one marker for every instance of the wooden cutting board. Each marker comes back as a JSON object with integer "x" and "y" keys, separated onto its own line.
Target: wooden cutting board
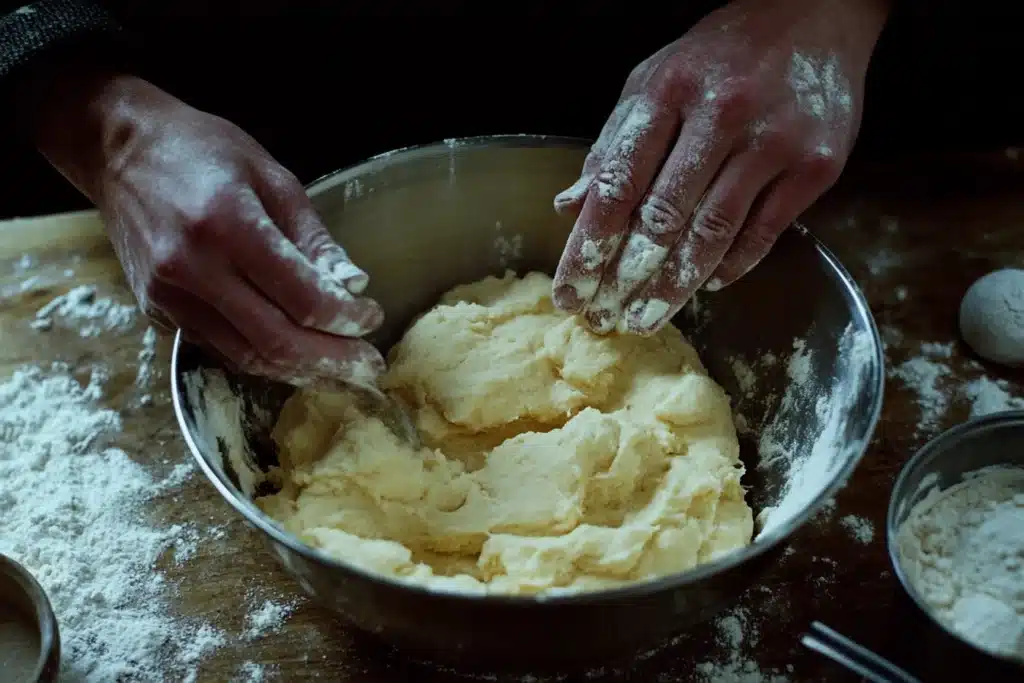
{"x": 914, "y": 233}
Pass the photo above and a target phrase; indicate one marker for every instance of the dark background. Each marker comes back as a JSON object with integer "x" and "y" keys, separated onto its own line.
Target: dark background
{"x": 321, "y": 90}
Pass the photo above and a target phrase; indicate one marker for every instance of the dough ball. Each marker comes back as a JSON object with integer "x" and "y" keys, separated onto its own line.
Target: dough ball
{"x": 992, "y": 317}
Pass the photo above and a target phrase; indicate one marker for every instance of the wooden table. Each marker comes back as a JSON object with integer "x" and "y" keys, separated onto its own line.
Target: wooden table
{"x": 930, "y": 226}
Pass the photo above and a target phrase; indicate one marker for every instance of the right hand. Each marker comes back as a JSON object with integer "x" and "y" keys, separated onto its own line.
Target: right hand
{"x": 217, "y": 239}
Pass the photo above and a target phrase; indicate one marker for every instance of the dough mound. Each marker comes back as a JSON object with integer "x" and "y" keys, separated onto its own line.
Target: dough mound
{"x": 553, "y": 459}
{"x": 992, "y": 317}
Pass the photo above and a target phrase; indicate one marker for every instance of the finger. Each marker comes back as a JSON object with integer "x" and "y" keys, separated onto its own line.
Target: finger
{"x": 201, "y": 324}
{"x": 290, "y": 208}
{"x": 657, "y": 224}
{"x": 783, "y": 202}
{"x": 570, "y": 201}
{"x": 632, "y": 160}
{"x": 715, "y": 224}
{"x": 275, "y": 265}
{"x": 295, "y": 351}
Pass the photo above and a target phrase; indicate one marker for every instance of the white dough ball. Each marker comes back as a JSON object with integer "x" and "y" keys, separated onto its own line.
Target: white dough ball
{"x": 992, "y": 317}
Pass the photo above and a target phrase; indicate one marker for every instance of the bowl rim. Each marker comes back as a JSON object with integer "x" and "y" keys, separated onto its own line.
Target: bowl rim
{"x": 44, "y": 618}
{"x": 632, "y": 591}
{"x": 931, "y": 450}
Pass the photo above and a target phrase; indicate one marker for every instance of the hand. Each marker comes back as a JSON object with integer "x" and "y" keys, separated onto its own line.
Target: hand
{"x": 219, "y": 240}
{"x": 719, "y": 141}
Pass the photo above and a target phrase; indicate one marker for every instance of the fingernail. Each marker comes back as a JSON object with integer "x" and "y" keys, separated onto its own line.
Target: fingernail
{"x": 566, "y": 298}
{"x": 350, "y": 276}
{"x": 713, "y": 285}
{"x": 574, "y": 192}
{"x": 600, "y": 321}
{"x": 645, "y": 316}
{"x": 344, "y": 325}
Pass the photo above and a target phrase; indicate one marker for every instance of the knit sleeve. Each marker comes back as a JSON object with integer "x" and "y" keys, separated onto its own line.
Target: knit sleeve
{"x": 35, "y": 31}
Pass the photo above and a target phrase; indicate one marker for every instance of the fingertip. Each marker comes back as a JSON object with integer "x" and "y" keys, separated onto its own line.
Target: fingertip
{"x": 714, "y": 284}
{"x": 567, "y": 298}
{"x": 574, "y": 194}
{"x": 646, "y": 317}
{"x": 356, "y": 320}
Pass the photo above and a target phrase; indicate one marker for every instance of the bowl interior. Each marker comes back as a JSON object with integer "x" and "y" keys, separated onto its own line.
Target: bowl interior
{"x": 793, "y": 343}
{"x": 996, "y": 439}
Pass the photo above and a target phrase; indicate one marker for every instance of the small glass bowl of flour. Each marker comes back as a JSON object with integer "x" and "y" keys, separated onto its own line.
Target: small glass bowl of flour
{"x": 956, "y": 533}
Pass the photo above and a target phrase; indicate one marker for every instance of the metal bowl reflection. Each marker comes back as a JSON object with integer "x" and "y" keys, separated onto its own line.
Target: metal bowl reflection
{"x": 425, "y": 219}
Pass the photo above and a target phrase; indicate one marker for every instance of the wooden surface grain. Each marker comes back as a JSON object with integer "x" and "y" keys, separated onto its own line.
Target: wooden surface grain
{"x": 914, "y": 233}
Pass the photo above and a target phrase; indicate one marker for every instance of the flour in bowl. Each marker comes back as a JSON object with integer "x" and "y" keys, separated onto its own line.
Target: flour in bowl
{"x": 962, "y": 549}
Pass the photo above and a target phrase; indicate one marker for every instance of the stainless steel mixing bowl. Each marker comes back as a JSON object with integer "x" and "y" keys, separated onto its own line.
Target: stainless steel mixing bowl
{"x": 992, "y": 440}
{"x": 422, "y": 220}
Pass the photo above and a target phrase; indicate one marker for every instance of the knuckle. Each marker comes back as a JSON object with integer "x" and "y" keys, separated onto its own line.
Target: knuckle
{"x": 169, "y": 263}
{"x": 660, "y": 216}
{"x": 713, "y": 224}
{"x": 735, "y": 104}
{"x": 675, "y": 83}
{"x": 759, "y": 240}
{"x": 276, "y": 349}
{"x": 281, "y": 181}
{"x": 616, "y": 185}
{"x": 776, "y": 143}
{"x": 822, "y": 164}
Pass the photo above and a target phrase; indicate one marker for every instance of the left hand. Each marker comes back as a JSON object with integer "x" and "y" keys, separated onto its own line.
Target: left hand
{"x": 719, "y": 141}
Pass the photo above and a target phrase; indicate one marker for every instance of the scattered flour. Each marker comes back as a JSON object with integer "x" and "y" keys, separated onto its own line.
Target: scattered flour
{"x": 963, "y": 551}
{"x": 926, "y": 375}
{"x": 812, "y": 451}
{"x": 930, "y": 375}
{"x": 736, "y": 633}
{"x": 267, "y": 617}
{"x": 251, "y": 672}
{"x": 883, "y": 260}
{"x": 73, "y": 511}
{"x": 990, "y": 396}
{"x": 508, "y": 248}
{"x": 862, "y": 530}
{"x": 91, "y": 315}
{"x": 146, "y": 356}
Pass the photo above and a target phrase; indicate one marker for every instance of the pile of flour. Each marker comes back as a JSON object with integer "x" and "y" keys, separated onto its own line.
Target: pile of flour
{"x": 72, "y": 511}
{"x": 963, "y": 551}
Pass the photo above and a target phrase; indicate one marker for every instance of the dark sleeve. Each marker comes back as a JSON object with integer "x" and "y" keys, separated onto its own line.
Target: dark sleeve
{"x": 37, "y": 31}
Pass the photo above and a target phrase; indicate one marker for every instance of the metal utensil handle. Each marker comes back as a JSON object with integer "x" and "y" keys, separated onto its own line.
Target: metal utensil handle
{"x": 853, "y": 656}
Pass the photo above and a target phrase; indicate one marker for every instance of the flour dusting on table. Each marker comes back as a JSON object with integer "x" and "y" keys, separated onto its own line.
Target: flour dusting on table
{"x": 935, "y": 373}
{"x": 73, "y": 511}
{"x": 90, "y": 314}
{"x": 736, "y": 634}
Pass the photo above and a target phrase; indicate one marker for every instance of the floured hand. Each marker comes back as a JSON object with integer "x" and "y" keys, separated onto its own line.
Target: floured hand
{"x": 719, "y": 141}
{"x": 218, "y": 239}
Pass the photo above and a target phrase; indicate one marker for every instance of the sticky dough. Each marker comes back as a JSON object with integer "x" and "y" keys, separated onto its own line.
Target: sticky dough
{"x": 554, "y": 460}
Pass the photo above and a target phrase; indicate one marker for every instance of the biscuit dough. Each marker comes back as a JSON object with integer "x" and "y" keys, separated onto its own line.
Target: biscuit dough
{"x": 553, "y": 459}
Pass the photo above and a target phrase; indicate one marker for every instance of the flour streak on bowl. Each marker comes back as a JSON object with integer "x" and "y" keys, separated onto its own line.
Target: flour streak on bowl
{"x": 429, "y": 218}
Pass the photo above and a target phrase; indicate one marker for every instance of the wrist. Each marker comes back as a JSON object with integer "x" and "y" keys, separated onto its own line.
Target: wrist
{"x": 86, "y": 119}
